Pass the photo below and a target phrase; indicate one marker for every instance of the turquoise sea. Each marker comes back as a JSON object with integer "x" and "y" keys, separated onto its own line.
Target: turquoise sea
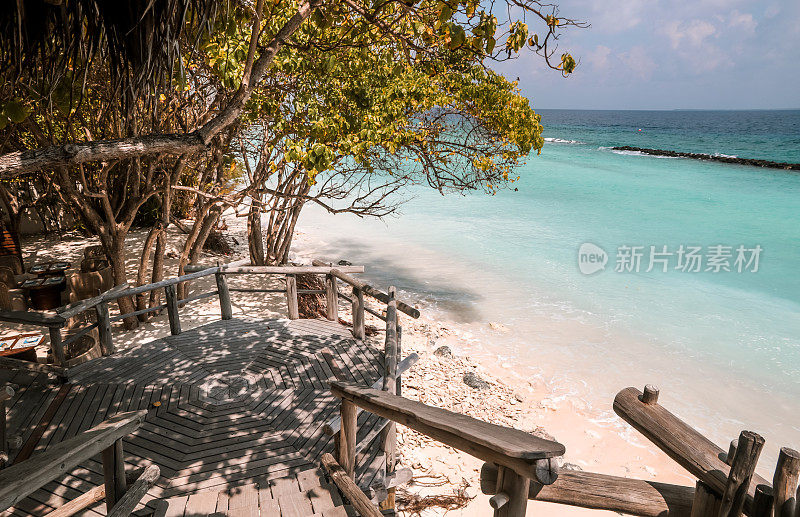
{"x": 723, "y": 345}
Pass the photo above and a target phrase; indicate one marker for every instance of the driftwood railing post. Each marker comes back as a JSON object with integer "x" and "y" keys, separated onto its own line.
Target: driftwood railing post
{"x": 331, "y": 297}
{"x": 389, "y": 434}
{"x": 172, "y": 309}
{"x": 292, "y": 302}
{"x": 57, "y": 345}
{"x": 742, "y": 468}
{"x": 104, "y": 328}
{"x": 514, "y": 491}
{"x": 224, "y": 293}
{"x": 763, "y": 502}
{"x": 347, "y": 438}
{"x": 358, "y": 313}
{"x": 398, "y": 389}
{"x": 784, "y": 483}
{"x": 114, "y": 473}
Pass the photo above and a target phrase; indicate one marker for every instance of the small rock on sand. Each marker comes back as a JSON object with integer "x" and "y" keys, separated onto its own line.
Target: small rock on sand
{"x": 498, "y": 326}
{"x": 472, "y": 380}
{"x": 443, "y": 351}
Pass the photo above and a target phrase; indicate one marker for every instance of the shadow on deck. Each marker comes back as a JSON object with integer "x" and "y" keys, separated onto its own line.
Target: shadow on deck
{"x": 230, "y": 403}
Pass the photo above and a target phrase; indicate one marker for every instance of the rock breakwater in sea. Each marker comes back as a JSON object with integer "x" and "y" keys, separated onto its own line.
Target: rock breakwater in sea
{"x": 711, "y": 157}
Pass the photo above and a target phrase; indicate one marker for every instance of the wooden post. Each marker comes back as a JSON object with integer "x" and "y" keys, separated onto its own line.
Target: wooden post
{"x": 763, "y": 501}
{"x": 104, "y": 328}
{"x": 731, "y": 452}
{"x": 347, "y": 438}
{"x": 172, "y": 310}
{"x": 650, "y": 394}
{"x": 358, "y": 313}
{"x": 742, "y": 468}
{"x": 515, "y": 490}
{"x": 389, "y": 433}
{"x": 706, "y": 502}
{"x": 114, "y": 473}
{"x": 784, "y": 483}
{"x": 398, "y": 390}
{"x": 224, "y": 297}
{"x": 331, "y": 297}
{"x": 57, "y": 345}
{"x": 291, "y": 297}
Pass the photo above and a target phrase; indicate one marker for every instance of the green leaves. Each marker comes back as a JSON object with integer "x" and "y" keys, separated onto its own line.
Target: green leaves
{"x": 457, "y": 36}
{"x": 517, "y": 36}
{"x": 567, "y": 64}
{"x": 13, "y": 112}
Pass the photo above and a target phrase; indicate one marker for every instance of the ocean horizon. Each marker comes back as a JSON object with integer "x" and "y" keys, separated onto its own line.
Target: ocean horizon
{"x": 721, "y": 340}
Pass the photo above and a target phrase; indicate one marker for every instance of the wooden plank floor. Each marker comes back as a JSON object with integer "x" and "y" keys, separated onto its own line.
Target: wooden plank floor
{"x": 230, "y": 404}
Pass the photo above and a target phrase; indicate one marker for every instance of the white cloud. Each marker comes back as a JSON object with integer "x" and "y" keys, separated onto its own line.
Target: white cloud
{"x": 742, "y": 21}
{"x": 692, "y": 32}
{"x": 598, "y": 58}
{"x": 621, "y": 17}
{"x": 639, "y": 61}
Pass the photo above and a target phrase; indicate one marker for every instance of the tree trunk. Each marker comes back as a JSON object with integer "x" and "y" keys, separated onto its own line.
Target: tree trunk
{"x": 144, "y": 265}
{"x": 116, "y": 255}
{"x": 255, "y": 236}
{"x": 194, "y": 243}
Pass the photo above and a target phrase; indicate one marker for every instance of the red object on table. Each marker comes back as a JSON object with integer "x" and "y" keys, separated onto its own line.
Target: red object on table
{"x": 20, "y": 346}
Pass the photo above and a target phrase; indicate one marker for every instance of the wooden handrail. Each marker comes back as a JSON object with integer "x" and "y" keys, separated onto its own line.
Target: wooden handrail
{"x": 287, "y": 270}
{"x": 335, "y": 423}
{"x": 604, "y": 492}
{"x": 19, "y": 364}
{"x": 21, "y": 479}
{"x": 690, "y": 449}
{"x": 91, "y": 497}
{"x": 517, "y": 450}
{"x": 73, "y": 309}
{"x": 340, "y": 273}
{"x": 42, "y": 319}
{"x": 349, "y": 489}
{"x": 135, "y": 493}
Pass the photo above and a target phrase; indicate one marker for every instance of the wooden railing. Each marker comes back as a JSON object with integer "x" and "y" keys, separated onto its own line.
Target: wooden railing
{"x": 22, "y": 479}
{"x": 520, "y": 456}
{"x": 727, "y": 484}
{"x": 56, "y": 320}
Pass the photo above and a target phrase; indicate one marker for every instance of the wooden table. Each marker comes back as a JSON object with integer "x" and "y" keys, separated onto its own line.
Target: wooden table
{"x": 49, "y": 269}
{"x": 20, "y": 346}
{"x": 45, "y": 291}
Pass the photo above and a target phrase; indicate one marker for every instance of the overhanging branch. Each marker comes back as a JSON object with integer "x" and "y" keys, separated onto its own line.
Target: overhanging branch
{"x": 21, "y": 162}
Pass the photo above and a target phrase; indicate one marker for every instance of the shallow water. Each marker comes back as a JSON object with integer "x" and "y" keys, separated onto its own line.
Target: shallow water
{"x": 723, "y": 346}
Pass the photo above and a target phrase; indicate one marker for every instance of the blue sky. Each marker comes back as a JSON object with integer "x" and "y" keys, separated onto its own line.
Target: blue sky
{"x": 649, "y": 54}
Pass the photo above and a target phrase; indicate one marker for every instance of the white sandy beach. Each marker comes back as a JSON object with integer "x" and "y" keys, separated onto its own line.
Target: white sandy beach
{"x": 593, "y": 442}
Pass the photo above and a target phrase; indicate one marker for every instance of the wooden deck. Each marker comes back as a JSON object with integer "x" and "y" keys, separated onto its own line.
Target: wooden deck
{"x": 232, "y": 404}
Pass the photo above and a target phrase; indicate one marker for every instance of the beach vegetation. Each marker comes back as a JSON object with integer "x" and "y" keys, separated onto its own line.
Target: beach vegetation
{"x": 148, "y": 112}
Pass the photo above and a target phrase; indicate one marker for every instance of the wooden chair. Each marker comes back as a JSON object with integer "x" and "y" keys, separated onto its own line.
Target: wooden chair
{"x": 94, "y": 252}
{"x": 22, "y": 479}
{"x": 82, "y": 286}
{"x": 12, "y": 299}
{"x": 93, "y": 264}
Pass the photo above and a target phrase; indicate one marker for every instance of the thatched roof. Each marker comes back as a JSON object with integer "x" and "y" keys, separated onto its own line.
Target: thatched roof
{"x": 139, "y": 39}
